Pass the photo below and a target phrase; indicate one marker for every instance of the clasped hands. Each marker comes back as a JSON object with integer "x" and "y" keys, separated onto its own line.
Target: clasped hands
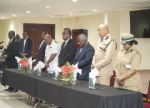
{"x": 4, "y": 56}
{"x": 23, "y": 54}
{"x": 120, "y": 81}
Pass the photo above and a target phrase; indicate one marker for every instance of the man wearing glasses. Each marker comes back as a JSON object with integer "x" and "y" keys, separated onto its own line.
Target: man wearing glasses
{"x": 67, "y": 48}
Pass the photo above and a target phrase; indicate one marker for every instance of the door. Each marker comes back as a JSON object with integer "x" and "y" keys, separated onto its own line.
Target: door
{"x": 34, "y": 32}
{"x": 76, "y": 33}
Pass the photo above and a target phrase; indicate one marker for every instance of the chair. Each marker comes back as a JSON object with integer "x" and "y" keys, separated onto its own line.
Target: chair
{"x": 146, "y": 104}
{"x": 112, "y": 79}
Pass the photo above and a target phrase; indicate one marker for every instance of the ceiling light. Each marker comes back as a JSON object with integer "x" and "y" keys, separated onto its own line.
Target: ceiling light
{"x": 28, "y": 11}
{"x": 71, "y": 13}
{"x": 52, "y": 16}
{"x": 74, "y": 0}
{"x": 2, "y": 18}
{"x": 94, "y": 10}
{"x": 13, "y": 15}
{"x": 47, "y": 6}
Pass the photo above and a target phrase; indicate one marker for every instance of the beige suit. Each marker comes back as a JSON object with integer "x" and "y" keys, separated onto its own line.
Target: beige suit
{"x": 104, "y": 52}
{"x": 125, "y": 62}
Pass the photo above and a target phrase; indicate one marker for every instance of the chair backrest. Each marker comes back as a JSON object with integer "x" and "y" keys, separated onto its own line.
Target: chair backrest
{"x": 112, "y": 79}
{"x": 148, "y": 92}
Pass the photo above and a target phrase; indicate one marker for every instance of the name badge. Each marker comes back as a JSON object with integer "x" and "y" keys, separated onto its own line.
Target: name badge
{"x": 128, "y": 66}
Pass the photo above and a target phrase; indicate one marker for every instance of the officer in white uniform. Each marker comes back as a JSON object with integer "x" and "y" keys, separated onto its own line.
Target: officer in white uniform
{"x": 51, "y": 53}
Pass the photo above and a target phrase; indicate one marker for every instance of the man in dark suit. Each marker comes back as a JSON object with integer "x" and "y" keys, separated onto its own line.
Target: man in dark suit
{"x": 84, "y": 56}
{"x": 42, "y": 48}
{"x": 67, "y": 48}
{"x": 25, "y": 46}
{"x": 11, "y": 51}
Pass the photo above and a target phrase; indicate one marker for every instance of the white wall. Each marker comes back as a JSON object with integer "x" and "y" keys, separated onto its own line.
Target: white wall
{"x": 143, "y": 43}
{"x": 89, "y": 23}
{"x": 118, "y": 22}
{"x": 16, "y": 24}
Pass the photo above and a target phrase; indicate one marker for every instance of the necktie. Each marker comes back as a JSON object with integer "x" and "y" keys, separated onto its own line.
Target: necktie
{"x": 80, "y": 50}
{"x": 63, "y": 45}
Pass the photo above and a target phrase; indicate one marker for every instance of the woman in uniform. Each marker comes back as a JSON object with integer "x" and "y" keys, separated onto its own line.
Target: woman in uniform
{"x": 128, "y": 62}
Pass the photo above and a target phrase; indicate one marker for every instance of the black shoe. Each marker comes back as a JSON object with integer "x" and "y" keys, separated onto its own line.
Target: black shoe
{"x": 7, "y": 89}
{"x": 14, "y": 91}
{"x": 37, "y": 100}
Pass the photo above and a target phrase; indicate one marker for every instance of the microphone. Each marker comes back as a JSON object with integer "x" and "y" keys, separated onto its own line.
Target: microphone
{"x": 1, "y": 41}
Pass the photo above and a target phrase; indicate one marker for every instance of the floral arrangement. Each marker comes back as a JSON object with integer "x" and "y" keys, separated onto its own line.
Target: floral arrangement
{"x": 66, "y": 76}
{"x": 24, "y": 62}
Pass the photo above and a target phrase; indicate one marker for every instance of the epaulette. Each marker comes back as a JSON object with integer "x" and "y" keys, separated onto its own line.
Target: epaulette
{"x": 56, "y": 42}
{"x": 137, "y": 52}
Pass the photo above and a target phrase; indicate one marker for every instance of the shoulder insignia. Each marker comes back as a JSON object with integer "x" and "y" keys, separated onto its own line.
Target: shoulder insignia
{"x": 131, "y": 50}
{"x": 56, "y": 41}
{"x": 107, "y": 37}
{"x": 137, "y": 52}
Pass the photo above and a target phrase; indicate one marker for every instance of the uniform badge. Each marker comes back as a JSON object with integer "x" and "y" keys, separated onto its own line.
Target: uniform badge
{"x": 128, "y": 66}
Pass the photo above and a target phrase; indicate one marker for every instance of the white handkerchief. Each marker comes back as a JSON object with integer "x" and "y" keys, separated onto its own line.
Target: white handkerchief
{"x": 18, "y": 59}
{"x": 39, "y": 65}
{"x": 94, "y": 72}
{"x": 57, "y": 69}
{"x": 77, "y": 70}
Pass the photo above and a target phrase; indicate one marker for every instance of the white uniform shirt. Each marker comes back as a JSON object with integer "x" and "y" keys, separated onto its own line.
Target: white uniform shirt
{"x": 53, "y": 48}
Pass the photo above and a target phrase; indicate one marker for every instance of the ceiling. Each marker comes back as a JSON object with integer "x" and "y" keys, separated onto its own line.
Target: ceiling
{"x": 65, "y": 8}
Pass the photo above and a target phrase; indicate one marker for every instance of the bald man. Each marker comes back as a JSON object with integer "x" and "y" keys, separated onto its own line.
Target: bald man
{"x": 104, "y": 52}
{"x": 51, "y": 53}
{"x": 84, "y": 57}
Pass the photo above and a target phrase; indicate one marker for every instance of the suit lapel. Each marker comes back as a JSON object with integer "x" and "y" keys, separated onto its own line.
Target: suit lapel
{"x": 78, "y": 54}
{"x": 63, "y": 48}
{"x": 10, "y": 45}
{"x": 82, "y": 52}
{"x": 26, "y": 42}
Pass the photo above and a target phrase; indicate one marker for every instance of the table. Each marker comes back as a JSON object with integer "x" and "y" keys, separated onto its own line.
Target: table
{"x": 23, "y": 82}
{"x": 79, "y": 96}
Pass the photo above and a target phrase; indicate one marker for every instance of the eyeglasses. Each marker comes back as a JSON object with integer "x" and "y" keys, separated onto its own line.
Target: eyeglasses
{"x": 64, "y": 33}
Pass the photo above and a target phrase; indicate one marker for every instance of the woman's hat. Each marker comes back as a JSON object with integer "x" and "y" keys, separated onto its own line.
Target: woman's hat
{"x": 126, "y": 37}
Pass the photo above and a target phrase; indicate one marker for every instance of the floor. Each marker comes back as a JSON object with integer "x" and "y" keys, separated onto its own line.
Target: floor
{"x": 21, "y": 100}
{"x": 18, "y": 100}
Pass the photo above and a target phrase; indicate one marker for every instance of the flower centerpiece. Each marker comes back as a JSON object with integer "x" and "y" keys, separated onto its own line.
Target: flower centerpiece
{"x": 66, "y": 76}
{"x": 24, "y": 65}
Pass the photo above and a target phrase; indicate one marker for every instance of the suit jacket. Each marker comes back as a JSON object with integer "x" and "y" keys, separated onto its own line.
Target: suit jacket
{"x": 84, "y": 60}
{"x": 28, "y": 47}
{"x": 42, "y": 52}
{"x": 67, "y": 53}
{"x": 12, "y": 51}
